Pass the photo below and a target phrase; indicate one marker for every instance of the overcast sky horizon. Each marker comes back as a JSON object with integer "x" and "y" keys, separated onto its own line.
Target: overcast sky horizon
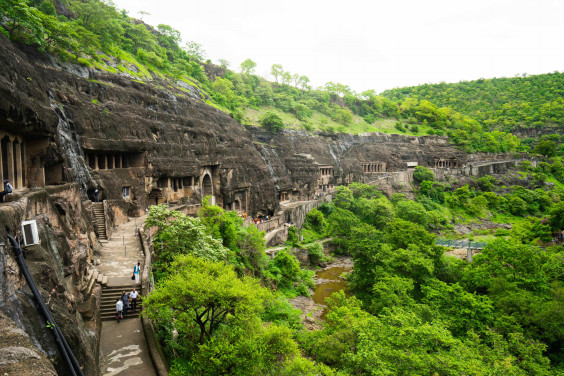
{"x": 372, "y": 44}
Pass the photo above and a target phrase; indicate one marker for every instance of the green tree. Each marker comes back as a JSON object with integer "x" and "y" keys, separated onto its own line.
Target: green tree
{"x": 557, "y": 217}
{"x": 248, "y": 67}
{"x": 277, "y": 71}
{"x": 315, "y": 221}
{"x": 422, "y": 173}
{"x": 272, "y": 121}
{"x": 412, "y": 211}
{"x": 181, "y": 234}
{"x": 546, "y": 148}
{"x": 23, "y": 22}
{"x": 206, "y": 293}
{"x": 195, "y": 50}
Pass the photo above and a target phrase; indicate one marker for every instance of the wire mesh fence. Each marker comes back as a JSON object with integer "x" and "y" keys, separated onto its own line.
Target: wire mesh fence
{"x": 460, "y": 243}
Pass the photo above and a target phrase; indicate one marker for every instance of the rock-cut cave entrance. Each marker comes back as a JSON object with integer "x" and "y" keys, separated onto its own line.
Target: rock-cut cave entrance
{"x": 207, "y": 188}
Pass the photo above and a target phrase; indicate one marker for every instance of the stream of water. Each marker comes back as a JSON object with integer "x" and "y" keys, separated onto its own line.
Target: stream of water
{"x": 328, "y": 281}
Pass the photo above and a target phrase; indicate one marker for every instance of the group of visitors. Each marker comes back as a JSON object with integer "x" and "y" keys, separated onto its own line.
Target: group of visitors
{"x": 125, "y": 302}
{"x": 261, "y": 219}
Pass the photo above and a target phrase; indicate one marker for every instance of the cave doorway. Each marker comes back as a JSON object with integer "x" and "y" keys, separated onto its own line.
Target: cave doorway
{"x": 207, "y": 187}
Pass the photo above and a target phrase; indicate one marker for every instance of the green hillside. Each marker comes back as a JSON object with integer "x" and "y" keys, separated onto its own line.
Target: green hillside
{"x": 506, "y": 104}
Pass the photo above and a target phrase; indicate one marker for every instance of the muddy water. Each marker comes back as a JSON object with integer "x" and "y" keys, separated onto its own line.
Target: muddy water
{"x": 328, "y": 281}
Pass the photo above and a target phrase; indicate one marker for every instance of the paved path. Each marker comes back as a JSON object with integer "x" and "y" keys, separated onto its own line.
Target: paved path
{"x": 123, "y": 348}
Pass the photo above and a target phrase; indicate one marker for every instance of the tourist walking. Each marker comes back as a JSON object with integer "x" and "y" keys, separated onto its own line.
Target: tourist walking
{"x": 125, "y": 301}
{"x": 7, "y": 190}
{"x": 133, "y": 295}
{"x": 136, "y": 270}
{"x": 96, "y": 193}
{"x": 119, "y": 309}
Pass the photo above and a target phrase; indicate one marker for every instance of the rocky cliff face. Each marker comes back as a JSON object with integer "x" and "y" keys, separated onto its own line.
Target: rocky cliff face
{"x": 175, "y": 138}
{"x": 75, "y": 129}
{"x": 294, "y": 158}
{"x": 57, "y": 266}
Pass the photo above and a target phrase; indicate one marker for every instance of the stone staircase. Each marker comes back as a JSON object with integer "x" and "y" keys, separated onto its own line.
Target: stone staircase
{"x": 108, "y": 302}
{"x": 93, "y": 277}
{"x": 100, "y": 217}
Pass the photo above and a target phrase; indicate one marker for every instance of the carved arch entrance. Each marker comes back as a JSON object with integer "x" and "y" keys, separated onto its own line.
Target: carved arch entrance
{"x": 207, "y": 186}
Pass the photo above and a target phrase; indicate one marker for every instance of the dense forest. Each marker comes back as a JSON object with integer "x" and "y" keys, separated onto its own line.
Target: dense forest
{"x": 96, "y": 35}
{"x": 221, "y": 305}
{"x": 508, "y": 104}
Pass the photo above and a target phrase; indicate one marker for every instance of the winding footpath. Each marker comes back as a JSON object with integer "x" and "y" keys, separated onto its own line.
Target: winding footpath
{"x": 123, "y": 348}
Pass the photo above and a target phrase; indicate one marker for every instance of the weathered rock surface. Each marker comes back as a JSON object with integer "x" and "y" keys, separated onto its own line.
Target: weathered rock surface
{"x": 57, "y": 266}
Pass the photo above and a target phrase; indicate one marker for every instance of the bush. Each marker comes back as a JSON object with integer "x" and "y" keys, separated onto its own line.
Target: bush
{"x": 84, "y": 62}
{"x": 369, "y": 119}
{"x": 412, "y": 211}
{"x": 293, "y": 237}
{"x": 315, "y": 221}
{"x": 516, "y": 206}
{"x": 487, "y": 183}
{"x": 423, "y": 173}
{"x": 501, "y": 232}
{"x": 315, "y": 253}
{"x": 272, "y": 122}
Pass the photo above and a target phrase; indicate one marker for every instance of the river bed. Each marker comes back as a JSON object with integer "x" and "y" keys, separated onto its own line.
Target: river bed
{"x": 327, "y": 281}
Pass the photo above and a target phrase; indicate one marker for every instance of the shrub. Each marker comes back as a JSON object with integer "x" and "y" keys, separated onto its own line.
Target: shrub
{"x": 412, "y": 211}
{"x": 501, "y": 232}
{"x": 315, "y": 221}
{"x": 272, "y": 122}
{"x": 516, "y": 206}
{"x": 315, "y": 253}
{"x": 423, "y": 173}
{"x": 369, "y": 118}
{"x": 487, "y": 183}
{"x": 84, "y": 62}
{"x": 293, "y": 237}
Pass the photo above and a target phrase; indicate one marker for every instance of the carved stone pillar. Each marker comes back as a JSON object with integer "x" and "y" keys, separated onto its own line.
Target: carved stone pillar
{"x": 1, "y": 169}
{"x": 10, "y": 158}
{"x": 18, "y": 165}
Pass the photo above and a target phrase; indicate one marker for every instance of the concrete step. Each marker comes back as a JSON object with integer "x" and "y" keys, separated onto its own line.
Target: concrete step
{"x": 111, "y": 299}
{"x": 112, "y": 305}
{"x": 120, "y": 288}
{"x": 111, "y": 309}
{"x": 113, "y": 316}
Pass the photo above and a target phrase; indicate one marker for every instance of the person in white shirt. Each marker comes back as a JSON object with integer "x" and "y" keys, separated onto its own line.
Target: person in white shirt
{"x": 119, "y": 309}
{"x": 133, "y": 295}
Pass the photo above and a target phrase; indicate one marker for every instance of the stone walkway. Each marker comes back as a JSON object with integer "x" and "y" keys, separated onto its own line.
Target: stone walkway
{"x": 123, "y": 348}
